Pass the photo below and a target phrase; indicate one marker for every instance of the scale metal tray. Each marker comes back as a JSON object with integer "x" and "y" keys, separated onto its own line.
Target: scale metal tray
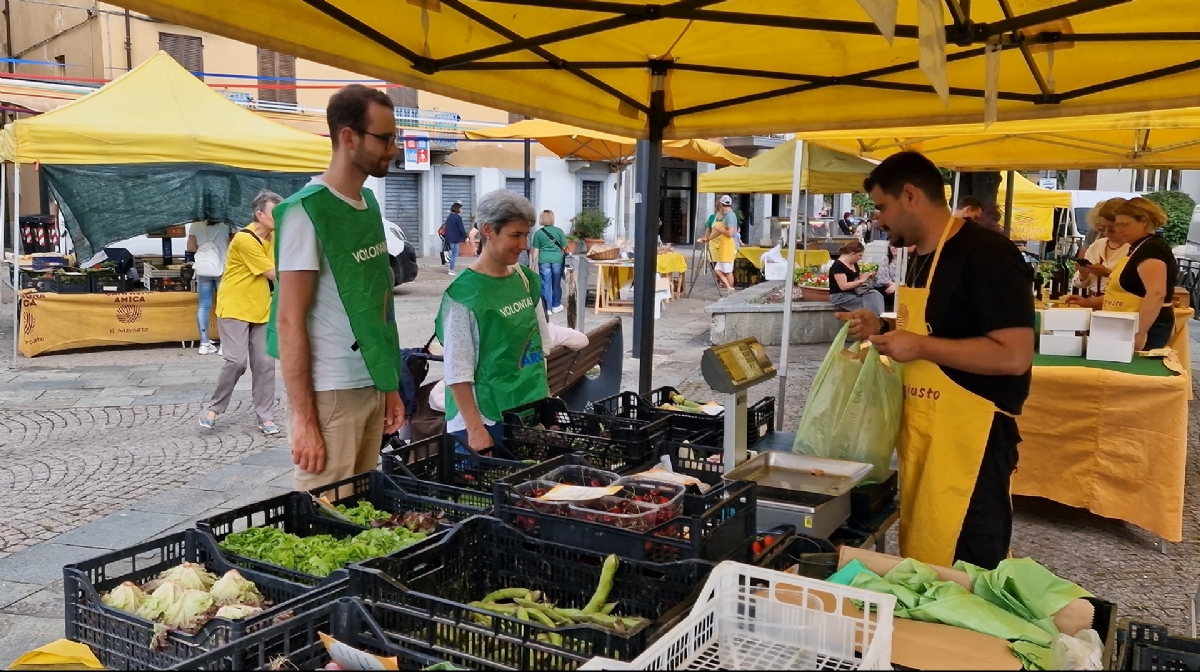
{"x": 789, "y": 477}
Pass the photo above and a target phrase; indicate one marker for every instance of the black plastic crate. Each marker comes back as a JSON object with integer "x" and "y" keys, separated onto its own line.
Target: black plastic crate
{"x": 386, "y": 494}
{"x": 40, "y": 280}
{"x": 110, "y": 282}
{"x": 746, "y": 274}
{"x": 446, "y": 469}
{"x": 297, "y": 641}
{"x": 170, "y": 284}
{"x": 294, "y": 513}
{"x": 760, "y": 416}
{"x": 69, "y": 281}
{"x": 421, "y": 598}
{"x": 547, "y": 428}
{"x": 716, "y": 525}
{"x": 123, "y": 641}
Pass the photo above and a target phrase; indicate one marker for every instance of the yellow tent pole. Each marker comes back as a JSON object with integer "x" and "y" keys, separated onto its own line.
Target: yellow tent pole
{"x": 789, "y": 282}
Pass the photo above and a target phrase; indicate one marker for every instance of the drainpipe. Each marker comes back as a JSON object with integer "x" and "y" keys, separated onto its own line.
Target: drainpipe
{"x": 12, "y": 67}
{"x": 128, "y": 43}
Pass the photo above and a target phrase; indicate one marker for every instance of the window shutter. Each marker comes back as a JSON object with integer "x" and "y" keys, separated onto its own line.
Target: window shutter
{"x": 286, "y": 69}
{"x": 266, "y": 70}
{"x": 187, "y": 50}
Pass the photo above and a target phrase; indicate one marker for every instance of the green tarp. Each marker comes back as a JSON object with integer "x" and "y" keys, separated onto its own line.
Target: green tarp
{"x": 103, "y": 204}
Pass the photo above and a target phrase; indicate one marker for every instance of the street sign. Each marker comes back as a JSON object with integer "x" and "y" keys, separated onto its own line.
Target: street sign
{"x": 416, "y": 151}
{"x": 1048, "y": 183}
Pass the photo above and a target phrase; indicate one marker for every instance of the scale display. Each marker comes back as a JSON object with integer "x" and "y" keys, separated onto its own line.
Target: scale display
{"x": 736, "y": 366}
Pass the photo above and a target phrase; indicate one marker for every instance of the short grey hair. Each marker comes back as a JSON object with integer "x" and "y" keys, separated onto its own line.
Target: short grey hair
{"x": 501, "y": 207}
{"x": 264, "y": 197}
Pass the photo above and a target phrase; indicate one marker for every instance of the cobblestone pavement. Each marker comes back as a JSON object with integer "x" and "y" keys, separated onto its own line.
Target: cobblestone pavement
{"x": 100, "y": 450}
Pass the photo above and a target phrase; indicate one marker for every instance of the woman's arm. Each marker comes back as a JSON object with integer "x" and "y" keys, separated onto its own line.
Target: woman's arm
{"x": 460, "y": 359}
{"x": 851, "y": 284}
{"x": 1153, "y": 273}
{"x": 191, "y": 243}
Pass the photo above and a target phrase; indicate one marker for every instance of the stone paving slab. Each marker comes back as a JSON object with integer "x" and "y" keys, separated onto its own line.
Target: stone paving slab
{"x": 181, "y": 502}
{"x": 14, "y": 591}
{"x": 275, "y": 457}
{"x": 42, "y": 564}
{"x": 237, "y": 478}
{"x": 120, "y": 530}
{"x": 19, "y": 634}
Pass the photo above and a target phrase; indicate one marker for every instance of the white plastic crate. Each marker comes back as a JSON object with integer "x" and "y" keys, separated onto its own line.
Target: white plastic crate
{"x": 841, "y": 628}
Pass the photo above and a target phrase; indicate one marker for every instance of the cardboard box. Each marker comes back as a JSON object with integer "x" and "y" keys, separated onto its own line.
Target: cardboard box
{"x": 1063, "y": 346}
{"x": 934, "y": 646}
{"x": 1066, "y": 319}
{"x": 1111, "y": 337}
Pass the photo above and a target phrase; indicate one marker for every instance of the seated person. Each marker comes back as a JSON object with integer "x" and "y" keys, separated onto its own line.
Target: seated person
{"x": 848, "y": 288}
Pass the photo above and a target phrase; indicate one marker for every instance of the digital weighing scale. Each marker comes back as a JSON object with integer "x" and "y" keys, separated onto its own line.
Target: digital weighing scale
{"x": 812, "y": 493}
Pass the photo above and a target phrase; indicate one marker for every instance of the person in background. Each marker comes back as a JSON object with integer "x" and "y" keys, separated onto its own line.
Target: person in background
{"x": 455, "y": 233}
{"x": 849, "y": 289}
{"x": 1103, "y": 255}
{"x": 209, "y": 243}
{"x": 1141, "y": 282}
{"x": 723, "y": 232}
{"x": 547, "y": 255}
{"x": 967, "y": 351}
{"x": 887, "y": 281}
{"x": 877, "y": 233}
{"x": 491, "y": 327}
{"x": 846, "y": 224}
{"x": 243, "y": 310}
{"x": 969, "y": 208}
{"x": 333, "y": 320}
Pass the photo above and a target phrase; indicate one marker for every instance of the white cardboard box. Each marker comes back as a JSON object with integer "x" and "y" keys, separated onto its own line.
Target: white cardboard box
{"x": 1068, "y": 345}
{"x": 1066, "y": 319}
{"x": 1111, "y": 337}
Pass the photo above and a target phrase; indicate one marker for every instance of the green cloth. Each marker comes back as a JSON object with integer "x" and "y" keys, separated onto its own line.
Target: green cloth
{"x": 510, "y": 368}
{"x": 550, "y": 241}
{"x": 1140, "y": 366}
{"x": 354, "y": 245}
{"x": 1014, "y": 602}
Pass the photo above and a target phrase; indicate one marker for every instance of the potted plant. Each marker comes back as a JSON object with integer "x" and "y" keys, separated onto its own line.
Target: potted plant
{"x": 814, "y": 285}
{"x": 572, "y": 243}
{"x": 589, "y": 226}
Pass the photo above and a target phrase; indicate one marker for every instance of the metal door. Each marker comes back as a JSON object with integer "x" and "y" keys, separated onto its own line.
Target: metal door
{"x": 459, "y": 188}
{"x": 402, "y": 200}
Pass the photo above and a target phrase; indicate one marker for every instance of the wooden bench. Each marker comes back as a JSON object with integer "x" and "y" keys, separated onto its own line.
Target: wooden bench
{"x": 567, "y": 370}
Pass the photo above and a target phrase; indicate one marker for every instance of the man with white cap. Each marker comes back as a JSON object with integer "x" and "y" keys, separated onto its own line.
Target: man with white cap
{"x": 724, "y": 242}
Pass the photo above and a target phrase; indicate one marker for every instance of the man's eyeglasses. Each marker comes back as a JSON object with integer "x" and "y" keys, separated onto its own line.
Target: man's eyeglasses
{"x": 386, "y": 138}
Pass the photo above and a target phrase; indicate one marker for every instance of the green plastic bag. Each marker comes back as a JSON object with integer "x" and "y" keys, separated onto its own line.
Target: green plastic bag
{"x": 853, "y": 408}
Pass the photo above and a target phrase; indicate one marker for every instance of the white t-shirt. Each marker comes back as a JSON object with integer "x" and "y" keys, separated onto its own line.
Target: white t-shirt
{"x": 217, "y": 233}
{"x": 335, "y": 365}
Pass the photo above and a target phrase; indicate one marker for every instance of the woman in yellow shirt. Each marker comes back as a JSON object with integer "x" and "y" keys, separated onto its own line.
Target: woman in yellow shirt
{"x": 243, "y": 310}
{"x": 723, "y": 247}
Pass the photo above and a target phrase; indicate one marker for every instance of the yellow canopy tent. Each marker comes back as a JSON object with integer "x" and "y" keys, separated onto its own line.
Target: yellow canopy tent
{"x": 1158, "y": 138}
{"x": 660, "y": 70}
{"x": 1033, "y": 207}
{"x": 571, "y": 141}
{"x": 160, "y": 113}
{"x": 825, "y": 171}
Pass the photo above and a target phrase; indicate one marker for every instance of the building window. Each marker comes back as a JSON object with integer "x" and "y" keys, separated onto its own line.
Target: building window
{"x": 276, "y": 70}
{"x": 590, "y": 195}
{"x": 403, "y": 96}
{"x": 187, "y": 50}
{"x": 1087, "y": 179}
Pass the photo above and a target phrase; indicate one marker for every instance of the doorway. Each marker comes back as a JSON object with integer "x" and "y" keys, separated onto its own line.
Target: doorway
{"x": 677, "y": 207}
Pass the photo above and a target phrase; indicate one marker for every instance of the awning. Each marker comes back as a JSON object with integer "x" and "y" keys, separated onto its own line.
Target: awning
{"x": 160, "y": 113}
{"x": 1033, "y": 207}
{"x": 573, "y": 142}
{"x": 1162, "y": 138}
{"x": 825, "y": 172}
{"x": 738, "y": 66}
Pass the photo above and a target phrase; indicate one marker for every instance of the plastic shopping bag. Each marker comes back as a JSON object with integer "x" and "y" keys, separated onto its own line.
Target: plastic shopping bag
{"x": 853, "y": 408}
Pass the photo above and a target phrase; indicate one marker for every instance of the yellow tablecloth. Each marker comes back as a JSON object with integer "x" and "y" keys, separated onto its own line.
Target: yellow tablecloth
{"x": 671, "y": 262}
{"x": 809, "y": 258}
{"x": 1113, "y": 443}
{"x": 54, "y": 322}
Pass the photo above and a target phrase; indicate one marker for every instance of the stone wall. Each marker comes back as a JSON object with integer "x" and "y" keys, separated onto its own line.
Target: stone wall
{"x": 739, "y": 317}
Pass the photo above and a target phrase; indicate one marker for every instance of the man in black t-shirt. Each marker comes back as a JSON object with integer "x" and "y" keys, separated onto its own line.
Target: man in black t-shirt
{"x": 967, "y": 341}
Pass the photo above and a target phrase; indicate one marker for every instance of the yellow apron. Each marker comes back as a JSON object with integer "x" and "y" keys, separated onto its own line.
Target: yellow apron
{"x": 725, "y": 248}
{"x": 943, "y": 432}
{"x": 1116, "y": 297}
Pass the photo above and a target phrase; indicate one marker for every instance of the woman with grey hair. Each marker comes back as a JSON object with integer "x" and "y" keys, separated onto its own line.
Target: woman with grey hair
{"x": 243, "y": 309}
{"x": 492, "y": 326}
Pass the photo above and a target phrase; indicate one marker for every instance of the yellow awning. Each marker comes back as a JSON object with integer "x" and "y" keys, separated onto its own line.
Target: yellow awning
{"x": 736, "y": 66}
{"x": 1033, "y": 207}
{"x": 1162, "y": 138}
{"x": 571, "y": 141}
{"x": 825, "y": 172}
{"x": 159, "y": 113}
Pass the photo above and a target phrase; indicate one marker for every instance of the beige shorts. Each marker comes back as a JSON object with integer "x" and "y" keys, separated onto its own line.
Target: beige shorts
{"x": 352, "y": 426}
{"x": 723, "y": 266}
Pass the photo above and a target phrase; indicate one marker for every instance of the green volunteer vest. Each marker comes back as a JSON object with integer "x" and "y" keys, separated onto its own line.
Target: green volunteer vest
{"x": 354, "y": 244}
{"x": 511, "y": 367}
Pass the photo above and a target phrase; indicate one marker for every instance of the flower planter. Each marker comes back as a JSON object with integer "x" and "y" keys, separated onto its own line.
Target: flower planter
{"x": 589, "y": 243}
{"x": 819, "y": 294}
{"x": 571, "y": 245}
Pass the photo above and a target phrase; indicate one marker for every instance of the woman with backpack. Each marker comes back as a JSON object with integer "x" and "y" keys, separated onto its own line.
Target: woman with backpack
{"x": 209, "y": 243}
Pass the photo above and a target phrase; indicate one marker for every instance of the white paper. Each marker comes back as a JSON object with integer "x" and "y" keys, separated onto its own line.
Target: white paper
{"x": 931, "y": 33}
{"x": 578, "y": 493}
{"x": 350, "y": 658}
{"x": 664, "y": 476}
{"x": 883, "y": 13}
{"x": 991, "y": 91}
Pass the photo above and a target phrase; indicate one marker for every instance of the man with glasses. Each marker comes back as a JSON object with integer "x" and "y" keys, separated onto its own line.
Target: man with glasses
{"x": 333, "y": 324}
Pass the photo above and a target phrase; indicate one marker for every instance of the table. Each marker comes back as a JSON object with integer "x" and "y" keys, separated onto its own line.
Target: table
{"x": 612, "y": 275}
{"x": 674, "y": 266}
{"x": 55, "y": 322}
{"x": 1110, "y": 438}
{"x": 809, "y": 258}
